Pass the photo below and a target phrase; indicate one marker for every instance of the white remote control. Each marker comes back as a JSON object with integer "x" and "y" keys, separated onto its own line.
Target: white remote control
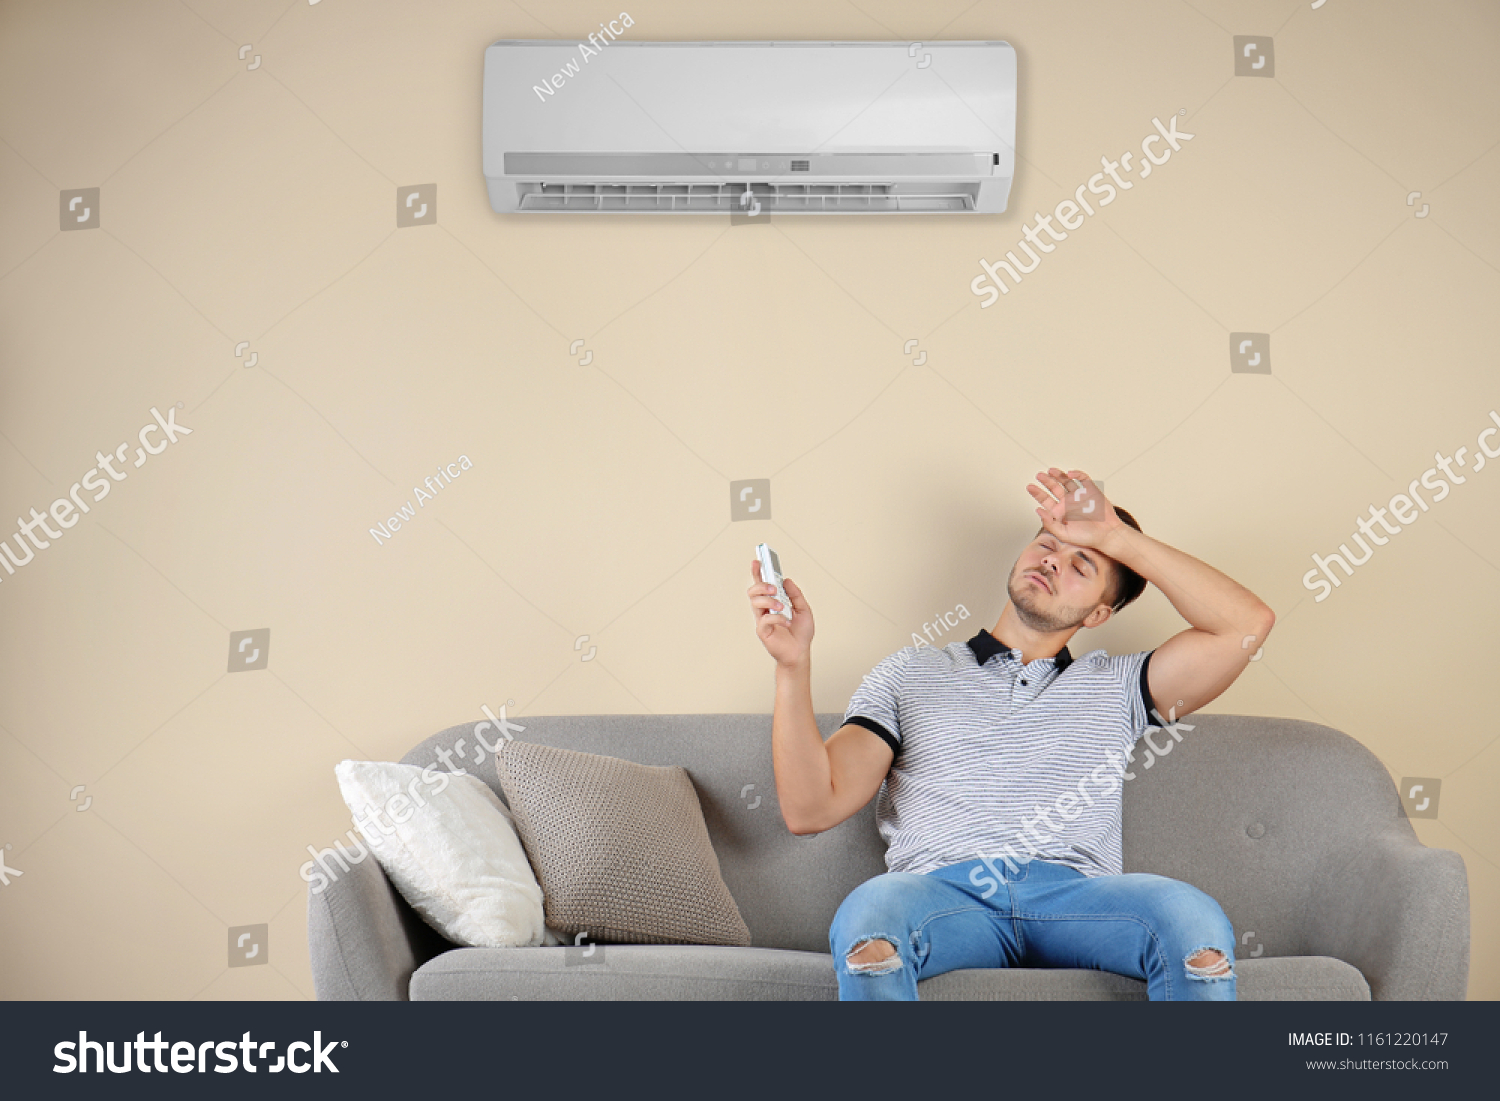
{"x": 770, "y": 573}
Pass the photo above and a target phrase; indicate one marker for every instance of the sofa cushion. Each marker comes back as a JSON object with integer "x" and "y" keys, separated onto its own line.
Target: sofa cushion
{"x": 697, "y": 973}
{"x": 621, "y": 849}
{"x": 626, "y": 972}
{"x": 1280, "y": 979}
{"x": 453, "y": 856}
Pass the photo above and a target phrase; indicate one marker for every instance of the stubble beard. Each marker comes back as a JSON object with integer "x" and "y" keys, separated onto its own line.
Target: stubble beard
{"x": 1025, "y": 598}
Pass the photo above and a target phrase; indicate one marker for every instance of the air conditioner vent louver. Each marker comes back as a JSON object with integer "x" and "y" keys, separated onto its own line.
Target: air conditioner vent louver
{"x": 728, "y": 198}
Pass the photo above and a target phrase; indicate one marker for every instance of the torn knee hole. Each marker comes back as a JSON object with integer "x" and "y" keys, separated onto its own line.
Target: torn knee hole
{"x": 1208, "y": 963}
{"x": 873, "y": 956}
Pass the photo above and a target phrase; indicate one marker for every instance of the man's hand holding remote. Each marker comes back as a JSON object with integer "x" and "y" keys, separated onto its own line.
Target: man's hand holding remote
{"x": 788, "y": 643}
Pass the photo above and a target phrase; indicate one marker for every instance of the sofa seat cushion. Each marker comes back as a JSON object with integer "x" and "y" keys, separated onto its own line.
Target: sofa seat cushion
{"x": 626, "y": 972}
{"x": 654, "y": 972}
{"x": 1281, "y": 979}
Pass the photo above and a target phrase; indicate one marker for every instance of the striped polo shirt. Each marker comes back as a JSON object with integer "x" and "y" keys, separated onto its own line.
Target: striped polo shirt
{"x": 1002, "y": 761}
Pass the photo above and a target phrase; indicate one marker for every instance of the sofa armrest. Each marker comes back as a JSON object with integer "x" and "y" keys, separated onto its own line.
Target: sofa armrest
{"x": 1400, "y": 913}
{"x": 364, "y": 939}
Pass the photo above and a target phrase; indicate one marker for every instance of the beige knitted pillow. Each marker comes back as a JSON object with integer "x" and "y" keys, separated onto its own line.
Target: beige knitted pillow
{"x": 620, "y": 849}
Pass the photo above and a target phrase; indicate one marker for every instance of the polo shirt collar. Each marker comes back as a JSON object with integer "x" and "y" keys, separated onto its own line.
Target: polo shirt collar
{"x": 985, "y": 646}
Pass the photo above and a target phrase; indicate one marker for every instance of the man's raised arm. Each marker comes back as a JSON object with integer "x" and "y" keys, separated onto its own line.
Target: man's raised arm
{"x": 818, "y": 784}
{"x": 1229, "y": 622}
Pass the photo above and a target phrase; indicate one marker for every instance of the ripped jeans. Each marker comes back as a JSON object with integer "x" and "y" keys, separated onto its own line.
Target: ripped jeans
{"x": 1040, "y": 915}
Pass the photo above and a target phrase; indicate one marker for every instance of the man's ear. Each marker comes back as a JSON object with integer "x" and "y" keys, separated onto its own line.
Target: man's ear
{"x": 1099, "y": 616}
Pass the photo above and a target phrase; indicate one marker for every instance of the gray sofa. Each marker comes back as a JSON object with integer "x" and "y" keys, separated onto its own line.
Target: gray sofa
{"x": 1296, "y": 829}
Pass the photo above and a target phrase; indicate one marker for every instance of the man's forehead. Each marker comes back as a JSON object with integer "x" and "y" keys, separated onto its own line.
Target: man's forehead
{"x": 1090, "y": 552}
{"x": 1063, "y": 542}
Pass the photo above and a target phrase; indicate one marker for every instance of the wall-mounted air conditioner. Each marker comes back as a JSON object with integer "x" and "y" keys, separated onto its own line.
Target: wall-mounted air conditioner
{"x": 618, "y": 127}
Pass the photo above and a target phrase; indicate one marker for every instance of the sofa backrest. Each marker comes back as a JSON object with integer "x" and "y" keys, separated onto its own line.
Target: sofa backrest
{"x": 1255, "y": 811}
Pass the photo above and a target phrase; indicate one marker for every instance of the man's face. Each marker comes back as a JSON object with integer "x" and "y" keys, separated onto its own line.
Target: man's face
{"x": 1055, "y": 585}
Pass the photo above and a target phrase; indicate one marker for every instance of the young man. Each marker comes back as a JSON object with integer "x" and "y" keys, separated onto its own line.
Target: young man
{"x": 999, "y": 762}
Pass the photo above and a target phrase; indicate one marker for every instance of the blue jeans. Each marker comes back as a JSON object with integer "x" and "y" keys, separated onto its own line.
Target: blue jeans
{"x": 1040, "y": 915}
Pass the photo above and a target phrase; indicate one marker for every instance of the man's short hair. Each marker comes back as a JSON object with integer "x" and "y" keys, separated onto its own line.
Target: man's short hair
{"x": 1127, "y": 584}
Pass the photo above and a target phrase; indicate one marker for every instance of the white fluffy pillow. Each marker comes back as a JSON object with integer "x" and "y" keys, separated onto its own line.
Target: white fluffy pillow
{"x": 447, "y": 843}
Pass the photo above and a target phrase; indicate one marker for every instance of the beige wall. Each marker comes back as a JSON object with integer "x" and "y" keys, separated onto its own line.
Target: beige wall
{"x": 256, "y": 205}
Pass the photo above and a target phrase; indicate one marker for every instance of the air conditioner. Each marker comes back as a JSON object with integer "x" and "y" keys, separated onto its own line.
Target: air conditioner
{"x": 611, "y": 126}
